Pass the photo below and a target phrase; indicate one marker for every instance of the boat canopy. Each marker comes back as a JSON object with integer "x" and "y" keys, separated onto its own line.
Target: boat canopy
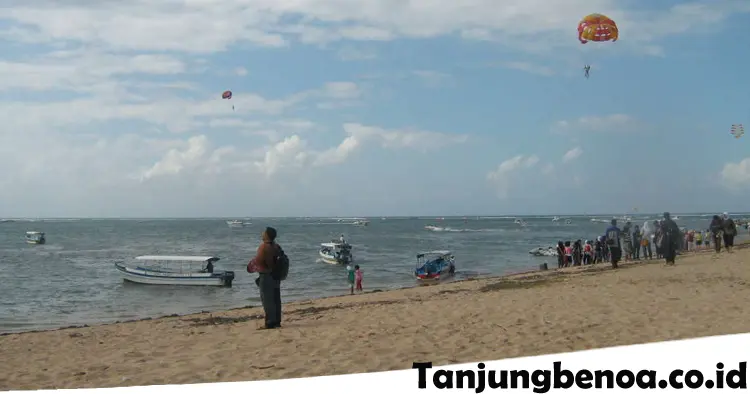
{"x": 34, "y": 233}
{"x": 435, "y": 253}
{"x": 202, "y": 259}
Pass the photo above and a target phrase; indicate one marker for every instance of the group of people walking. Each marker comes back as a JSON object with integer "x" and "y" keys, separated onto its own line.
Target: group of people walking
{"x": 659, "y": 238}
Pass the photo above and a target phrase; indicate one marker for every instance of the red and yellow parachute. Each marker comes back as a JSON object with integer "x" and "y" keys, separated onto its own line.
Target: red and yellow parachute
{"x": 597, "y": 27}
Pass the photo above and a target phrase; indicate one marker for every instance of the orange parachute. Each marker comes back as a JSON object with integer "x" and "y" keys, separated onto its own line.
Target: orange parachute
{"x": 597, "y": 27}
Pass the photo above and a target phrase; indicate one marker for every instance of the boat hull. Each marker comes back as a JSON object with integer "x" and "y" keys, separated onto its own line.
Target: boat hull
{"x": 150, "y": 277}
{"x": 327, "y": 258}
{"x": 433, "y": 277}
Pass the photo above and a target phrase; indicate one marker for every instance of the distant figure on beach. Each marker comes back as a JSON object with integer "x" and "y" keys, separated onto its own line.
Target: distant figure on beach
{"x": 698, "y": 240}
{"x": 599, "y": 250}
{"x": 577, "y": 253}
{"x": 560, "y": 254}
{"x": 358, "y": 276}
{"x": 707, "y": 239}
{"x": 350, "y": 277}
{"x": 588, "y": 253}
{"x": 716, "y": 227}
{"x": 270, "y": 288}
{"x": 627, "y": 241}
{"x": 658, "y": 236}
{"x": 730, "y": 231}
{"x": 671, "y": 239}
{"x": 612, "y": 236}
{"x": 568, "y": 254}
{"x": 636, "y": 243}
{"x": 647, "y": 238}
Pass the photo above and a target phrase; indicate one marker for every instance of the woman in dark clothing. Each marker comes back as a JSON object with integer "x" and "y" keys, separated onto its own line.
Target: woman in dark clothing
{"x": 637, "y": 243}
{"x": 716, "y": 228}
{"x": 730, "y": 231}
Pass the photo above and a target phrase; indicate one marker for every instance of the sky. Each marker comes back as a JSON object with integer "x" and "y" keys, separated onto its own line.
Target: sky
{"x": 370, "y": 108}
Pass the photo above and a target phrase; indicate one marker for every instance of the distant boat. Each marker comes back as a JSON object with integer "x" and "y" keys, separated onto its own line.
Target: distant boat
{"x": 361, "y": 223}
{"x": 434, "y": 266}
{"x": 35, "y": 237}
{"x": 237, "y": 223}
{"x": 175, "y": 270}
{"x": 336, "y": 252}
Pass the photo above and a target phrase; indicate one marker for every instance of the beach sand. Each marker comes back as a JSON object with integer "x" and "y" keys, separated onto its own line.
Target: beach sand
{"x": 528, "y": 314}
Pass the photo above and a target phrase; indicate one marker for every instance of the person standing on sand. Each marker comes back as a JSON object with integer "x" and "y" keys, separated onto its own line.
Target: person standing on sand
{"x": 671, "y": 239}
{"x": 716, "y": 228}
{"x": 612, "y": 236}
{"x": 560, "y": 254}
{"x": 358, "y": 276}
{"x": 637, "y": 243}
{"x": 350, "y": 277}
{"x": 270, "y": 288}
{"x": 730, "y": 231}
{"x": 627, "y": 241}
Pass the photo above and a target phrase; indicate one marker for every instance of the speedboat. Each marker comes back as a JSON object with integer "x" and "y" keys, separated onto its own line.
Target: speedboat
{"x": 542, "y": 251}
{"x": 236, "y": 223}
{"x": 175, "y": 270}
{"x": 35, "y": 238}
{"x": 556, "y": 219}
{"x": 361, "y": 223}
{"x": 435, "y": 265}
{"x": 434, "y": 228}
{"x": 336, "y": 252}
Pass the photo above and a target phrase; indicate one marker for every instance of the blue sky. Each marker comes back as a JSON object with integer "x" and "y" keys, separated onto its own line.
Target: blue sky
{"x": 374, "y": 108}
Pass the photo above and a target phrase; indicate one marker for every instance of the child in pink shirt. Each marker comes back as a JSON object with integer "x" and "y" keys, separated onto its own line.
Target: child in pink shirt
{"x": 358, "y": 277}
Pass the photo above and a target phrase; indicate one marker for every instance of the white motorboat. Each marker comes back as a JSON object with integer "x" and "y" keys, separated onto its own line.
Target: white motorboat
{"x": 544, "y": 252}
{"x": 35, "y": 238}
{"x": 556, "y": 219}
{"x": 361, "y": 223}
{"x": 175, "y": 270}
{"x": 434, "y": 266}
{"x": 336, "y": 252}
{"x": 237, "y": 223}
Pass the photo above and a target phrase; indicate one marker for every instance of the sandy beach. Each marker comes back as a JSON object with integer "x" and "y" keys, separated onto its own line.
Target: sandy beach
{"x": 492, "y": 318}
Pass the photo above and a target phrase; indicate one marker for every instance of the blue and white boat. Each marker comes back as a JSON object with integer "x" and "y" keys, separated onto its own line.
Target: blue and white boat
{"x": 35, "y": 238}
{"x": 175, "y": 270}
{"x": 434, "y": 266}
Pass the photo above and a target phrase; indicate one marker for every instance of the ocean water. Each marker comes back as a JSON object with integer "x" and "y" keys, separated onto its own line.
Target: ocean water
{"x": 72, "y": 280}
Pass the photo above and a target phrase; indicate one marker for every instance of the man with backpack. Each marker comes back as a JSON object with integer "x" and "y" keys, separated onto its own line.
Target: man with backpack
{"x": 272, "y": 265}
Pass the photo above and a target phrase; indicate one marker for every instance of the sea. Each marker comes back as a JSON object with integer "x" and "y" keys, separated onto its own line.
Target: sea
{"x": 71, "y": 280}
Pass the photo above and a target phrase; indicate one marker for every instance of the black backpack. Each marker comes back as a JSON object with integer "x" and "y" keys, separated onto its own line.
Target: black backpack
{"x": 281, "y": 265}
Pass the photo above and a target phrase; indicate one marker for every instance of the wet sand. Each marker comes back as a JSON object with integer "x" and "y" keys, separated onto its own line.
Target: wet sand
{"x": 492, "y": 318}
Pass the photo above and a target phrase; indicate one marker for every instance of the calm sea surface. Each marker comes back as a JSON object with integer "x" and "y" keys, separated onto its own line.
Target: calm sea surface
{"x": 71, "y": 280}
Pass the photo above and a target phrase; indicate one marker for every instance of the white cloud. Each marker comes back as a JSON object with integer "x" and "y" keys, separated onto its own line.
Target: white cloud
{"x": 240, "y": 71}
{"x": 608, "y": 123}
{"x": 736, "y": 175}
{"x": 572, "y": 154}
{"x": 356, "y": 54}
{"x": 432, "y": 78}
{"x": 503, "y": 176}
{"x": 213, "y": 25}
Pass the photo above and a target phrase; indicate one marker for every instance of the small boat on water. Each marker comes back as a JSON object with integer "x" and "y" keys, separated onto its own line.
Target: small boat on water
{"x": 35, "y": 238}
{"x": 434, "y": 266}
{"x": 237, "y": 223}
{"x": 336, "y": 252}
{"x": 542, "y": 251}
{"x": 175, "y": 270}
{"x": 361, "y": 223}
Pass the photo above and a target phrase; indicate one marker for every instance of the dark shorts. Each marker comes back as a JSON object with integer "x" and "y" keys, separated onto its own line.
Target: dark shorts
{"x": 699, "y": 242}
